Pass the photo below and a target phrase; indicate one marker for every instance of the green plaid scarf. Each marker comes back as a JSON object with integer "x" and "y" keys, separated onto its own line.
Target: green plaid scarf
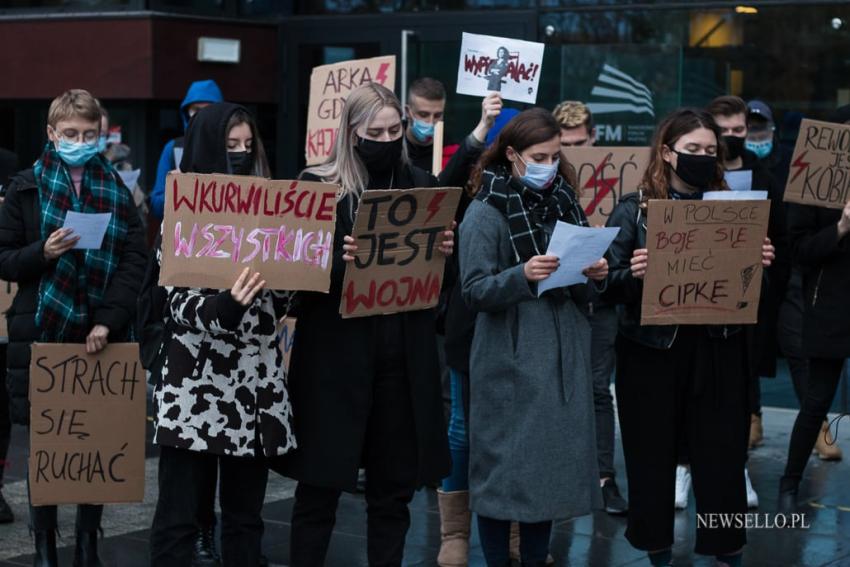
{"x": 76, "y": 283}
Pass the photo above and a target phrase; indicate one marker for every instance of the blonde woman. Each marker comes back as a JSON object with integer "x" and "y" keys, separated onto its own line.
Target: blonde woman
{"x": 365, "y": 391}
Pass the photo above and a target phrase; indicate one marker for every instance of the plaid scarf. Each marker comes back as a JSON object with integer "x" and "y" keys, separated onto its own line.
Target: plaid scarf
{"x": 528, "y": 210}
{"x": 75, "y": 285}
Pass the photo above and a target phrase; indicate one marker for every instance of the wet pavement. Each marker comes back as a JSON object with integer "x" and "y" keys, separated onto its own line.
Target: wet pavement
{"x": 595, "y": 540}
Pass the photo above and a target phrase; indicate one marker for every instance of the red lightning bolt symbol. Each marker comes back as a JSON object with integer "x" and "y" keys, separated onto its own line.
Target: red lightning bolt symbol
{"x": 800, "y": 164}
{"x": 434, "y": 205}
{"x": 381, "y": 76}
{"x": 603, "y": 186}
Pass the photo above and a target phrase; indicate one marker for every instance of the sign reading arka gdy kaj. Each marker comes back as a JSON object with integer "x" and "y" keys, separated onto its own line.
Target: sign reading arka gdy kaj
{"x": 217, "y": 225}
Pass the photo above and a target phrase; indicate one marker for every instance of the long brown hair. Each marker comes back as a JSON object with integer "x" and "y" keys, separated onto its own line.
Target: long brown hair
{"x": 656, "y": 179}
{"x": 260, "y": 167}
{"x": 526, "y": 129}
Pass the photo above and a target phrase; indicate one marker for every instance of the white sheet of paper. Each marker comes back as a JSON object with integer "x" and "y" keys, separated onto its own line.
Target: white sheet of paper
{"x": 130, "y": 178}
{"x": 578, "y": 247}
{"x": 90, "y": 227}
{"x": 734, "y": 195}
{"x": 741, "y": 180}
{"x": 516, "y": 74}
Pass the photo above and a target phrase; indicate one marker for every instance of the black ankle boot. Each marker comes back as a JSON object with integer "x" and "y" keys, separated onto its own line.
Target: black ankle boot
{"x": 85, "y": 552}
{"x": 205, "y": 554}
{"x": 45, "y": 549}
{"x": 788, "y": 495}
{"x": 6, "y": 515}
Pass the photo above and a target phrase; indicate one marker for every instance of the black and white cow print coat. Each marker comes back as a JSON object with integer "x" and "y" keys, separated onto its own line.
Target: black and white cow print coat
{"x": 223, "y": 388}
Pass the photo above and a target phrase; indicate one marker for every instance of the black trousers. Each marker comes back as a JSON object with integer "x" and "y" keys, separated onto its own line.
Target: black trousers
{"x": 697, "y": 390}
{"x": 5, "y": 417}
{"x": 390, "y": 457}
{"x": 182, "y": 485}
{"x": 823, "y": 378}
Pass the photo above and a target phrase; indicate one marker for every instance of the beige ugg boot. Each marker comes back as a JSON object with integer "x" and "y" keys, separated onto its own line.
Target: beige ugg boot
{"x": 454, "y": 528}
{"x": 825, "y": 446}
{"x": 756, "y": 431}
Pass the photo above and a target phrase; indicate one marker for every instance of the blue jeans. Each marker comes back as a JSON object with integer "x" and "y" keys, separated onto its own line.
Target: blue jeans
{"x": 458, "y": 438}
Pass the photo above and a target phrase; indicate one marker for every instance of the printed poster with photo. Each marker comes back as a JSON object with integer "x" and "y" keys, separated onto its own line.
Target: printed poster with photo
{"x": 509, "y": 66}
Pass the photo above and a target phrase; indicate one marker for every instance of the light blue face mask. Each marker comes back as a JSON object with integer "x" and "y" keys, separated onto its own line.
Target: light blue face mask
{"x": 422, "y": 131}
{"x": 761, "y": 149}
{"x": 75, "y": 154}
{"x": 101, "y": 144}
{"x": 538, "y": 175}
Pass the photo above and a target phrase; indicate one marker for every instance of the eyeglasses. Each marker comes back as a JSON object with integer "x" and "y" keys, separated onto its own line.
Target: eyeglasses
{"x": 72, "y": 135}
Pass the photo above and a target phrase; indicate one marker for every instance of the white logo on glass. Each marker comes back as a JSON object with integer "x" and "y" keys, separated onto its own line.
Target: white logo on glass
{"x": 629, "y": 95}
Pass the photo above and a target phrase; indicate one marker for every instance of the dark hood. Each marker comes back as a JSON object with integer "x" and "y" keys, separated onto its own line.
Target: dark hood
{"x": 205, "y": 145}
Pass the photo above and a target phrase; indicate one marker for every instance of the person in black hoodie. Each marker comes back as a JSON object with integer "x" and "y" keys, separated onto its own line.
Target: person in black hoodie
{"x": 36, "y": 253}
{"x": 223, "y": 346}
{"x": 820, "y": 247}
{"x": 8, "y": 166}
{"x": 364, "y": 390}
{"x": 678, "y": 382}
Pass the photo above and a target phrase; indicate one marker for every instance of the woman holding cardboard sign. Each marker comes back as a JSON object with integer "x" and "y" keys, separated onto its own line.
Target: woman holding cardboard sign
{"x": 678, "y": 382}
{"x": 365, "y": 390}
{"x": 221, "y": 404}
{"x": 532, "y": 447}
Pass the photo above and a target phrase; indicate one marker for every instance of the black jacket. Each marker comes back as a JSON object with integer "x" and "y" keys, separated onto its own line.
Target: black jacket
{"x": 627, "y": 290}
{"x": 22, "y": 261}
{"x": 824, "y": 260}
{"x": 456, "y": 173}
{"x": 332, "y": 371}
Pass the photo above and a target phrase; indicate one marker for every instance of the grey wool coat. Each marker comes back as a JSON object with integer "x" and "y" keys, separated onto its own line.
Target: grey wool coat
{"x": 531, "y": 425}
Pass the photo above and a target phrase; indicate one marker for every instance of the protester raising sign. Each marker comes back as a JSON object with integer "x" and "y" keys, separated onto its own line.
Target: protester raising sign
{"x": 87, "y": 432}
{"x": 329, "y": 87}
{"x": 704, "y": 262}
{"x": 216, "y": 225}
{"x": 509, "y": 66}
{"x": 604, "y": 175}
{"x": 397, "y": 266}
{"x": 7, "y": 295}
{"x": 820, "y": 166}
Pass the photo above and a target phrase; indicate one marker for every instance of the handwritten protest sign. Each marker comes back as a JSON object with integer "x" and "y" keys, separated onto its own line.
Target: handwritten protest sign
{"x": 217, "y": 225}
{"x": 329, "y": 87}
{"x": 820, "y": 166}
{"x": 604, "y": 175}
{"x": 287, "y": 339}
{"x": 87, "y": 432}
{"x": 509, "y": 66}
{"x": 397, "y": 266}
{"x": 704, "y": 262}
{"x": 7, "y": 295}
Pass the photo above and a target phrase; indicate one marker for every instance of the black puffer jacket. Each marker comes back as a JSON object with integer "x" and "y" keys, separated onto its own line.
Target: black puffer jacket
{"x": 825, "y": 263}
{"x": 22, "y": 261}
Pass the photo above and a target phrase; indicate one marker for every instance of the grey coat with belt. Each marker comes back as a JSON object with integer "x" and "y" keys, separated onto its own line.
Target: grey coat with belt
{"x": 531, "y": 424}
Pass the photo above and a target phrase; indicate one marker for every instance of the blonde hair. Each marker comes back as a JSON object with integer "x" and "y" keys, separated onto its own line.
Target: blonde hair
{"x": 72, "y": 104}
{"x": 572, "y": 114}
{"x": 344, "y": 166}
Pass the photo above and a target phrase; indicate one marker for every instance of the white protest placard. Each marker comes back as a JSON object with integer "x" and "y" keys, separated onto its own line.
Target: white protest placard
{"x": 734, "y": 195}
{"x": 90, "y": 227}
{"x": 578, "y": 248}
{"x": 130, "y": 178}
{"x": 509, "y": 66}
{"x": 740, "y": 180}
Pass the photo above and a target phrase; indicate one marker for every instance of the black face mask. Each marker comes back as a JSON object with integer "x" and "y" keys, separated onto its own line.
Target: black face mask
{"x": 379, "y": 156}
{"x": 734, "y": 146}
{"x": 240, "y": 162}
{"x": 696, "y": 171}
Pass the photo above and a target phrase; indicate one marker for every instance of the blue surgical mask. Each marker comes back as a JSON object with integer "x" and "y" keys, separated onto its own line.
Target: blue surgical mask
{"x": 422, "y": 131}
{"x": 538, "y": 175}
{"x": 761, "y": 149}
{"x": 75, "y": 154}
{"x": 101, "y": 144}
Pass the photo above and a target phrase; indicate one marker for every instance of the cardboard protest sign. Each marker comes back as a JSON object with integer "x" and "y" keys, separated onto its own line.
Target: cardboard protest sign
{"x": 217, "y": 225}
{"x": 329, "y": 87}
{"x": 704, "y": 262}
{"x": 604, "y": 175}
{"x": 820, "y": 166}
{"x": 509, "y": 66}
{"x": 7, "y": 295}
{"x": 397, "y": 266}
{"x": 287, "y": 339}
{"x": 87, "y": 425}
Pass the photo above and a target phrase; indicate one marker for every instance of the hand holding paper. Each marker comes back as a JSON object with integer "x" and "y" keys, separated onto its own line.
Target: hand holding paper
{"x": 90, "y": 228}
{"x": 577, "y": 248}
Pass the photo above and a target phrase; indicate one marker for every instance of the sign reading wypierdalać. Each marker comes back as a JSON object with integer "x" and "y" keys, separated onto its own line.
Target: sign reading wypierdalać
{"x": 87, "y": 425}
{"x": 704, "y": 262}
{"x": 820, "y": 166}
{"x": 397, "y": 266}
{"x": 217, "y": 225}
{"x": 511, "y": 67}
{"x": 329, "y": 87}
